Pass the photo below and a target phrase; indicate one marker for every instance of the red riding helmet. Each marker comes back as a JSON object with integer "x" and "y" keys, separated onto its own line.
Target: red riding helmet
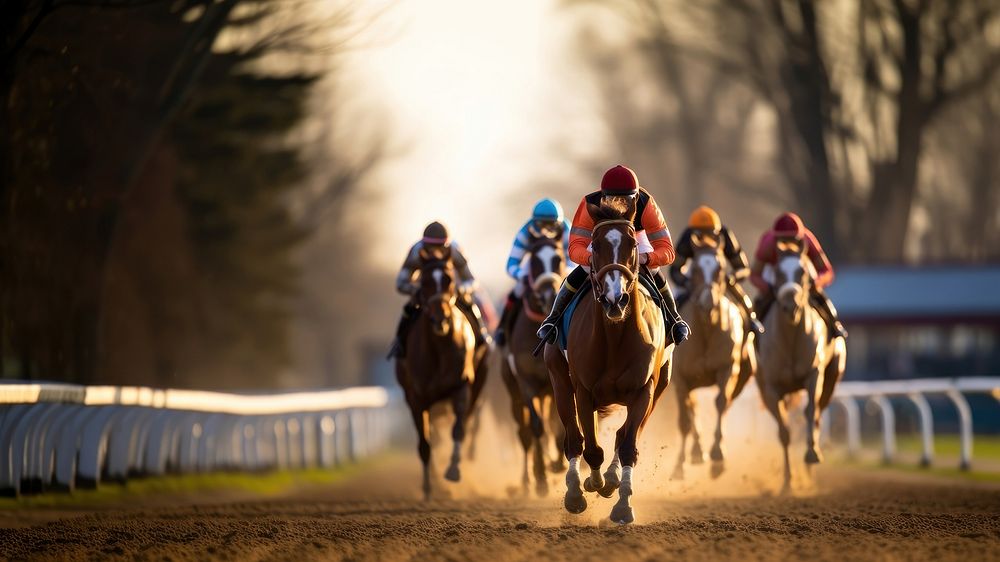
{"x": 789, "y": 225}
{"x": 620, "y": 181}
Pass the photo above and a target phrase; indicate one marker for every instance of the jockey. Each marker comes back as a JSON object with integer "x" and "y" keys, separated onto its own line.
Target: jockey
{"x": 654, "y": 245}
{"x": 547, "y": 221}
{"x": 705, "y": 228}
{"x": 789, "y": 228}
{"x": 437, "y": 243}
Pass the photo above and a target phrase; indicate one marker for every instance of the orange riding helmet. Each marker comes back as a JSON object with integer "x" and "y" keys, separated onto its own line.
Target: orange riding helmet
{"x": 705, "y": 218}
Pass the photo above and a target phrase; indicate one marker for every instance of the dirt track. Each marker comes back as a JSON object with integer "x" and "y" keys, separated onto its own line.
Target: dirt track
{"x": 856, "y": 515}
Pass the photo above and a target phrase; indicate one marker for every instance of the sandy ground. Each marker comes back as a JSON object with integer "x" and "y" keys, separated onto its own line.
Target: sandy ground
{"x": 839, "y": 514}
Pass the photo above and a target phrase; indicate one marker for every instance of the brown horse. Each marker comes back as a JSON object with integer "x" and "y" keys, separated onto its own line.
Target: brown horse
{"x": 720, "y": 352}
{"x": 617, "y": 355}
{"x": 442, "y": 362}
{"x": 525, "y": 375}
{"x": 796, "y": 354}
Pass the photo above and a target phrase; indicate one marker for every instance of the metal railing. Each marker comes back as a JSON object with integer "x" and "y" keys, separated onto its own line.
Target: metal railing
{"x": 62, "y": 436}
{"x": 877, "y": 394}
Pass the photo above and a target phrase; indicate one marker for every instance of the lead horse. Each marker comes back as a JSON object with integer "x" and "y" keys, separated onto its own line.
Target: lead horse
{"x": 617, "y": 354}
{"x": 720, "y": 353}
{"x": 797, "y": 354}
{"x": 525, "y": 376}
{"x": 442, "y": 363}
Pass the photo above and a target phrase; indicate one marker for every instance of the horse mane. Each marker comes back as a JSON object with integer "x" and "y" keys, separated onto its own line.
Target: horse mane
{"x": 613, "y": 207}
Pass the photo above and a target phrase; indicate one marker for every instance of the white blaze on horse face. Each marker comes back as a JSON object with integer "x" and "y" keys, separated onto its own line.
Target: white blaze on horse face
{"x": 438, "y": 277}
{"x": 789, "y": 266}
{"x": 547, "y": 255}
{"x": 613, "y": 281}
{"x": 709, "y": 264}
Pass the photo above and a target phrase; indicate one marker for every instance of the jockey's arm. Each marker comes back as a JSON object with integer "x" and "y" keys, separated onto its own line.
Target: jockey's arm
{"x": 405, "y": 281}
{"x": 567, "y": 227}
{"x": 735, "y": 255}
{"x": 580, "y": 235}
{"x": 517, "y": 251}
{"x": 658, "y": 235}
{"x": 824, "y": 270}
{"x": 683, "y": 253}
{"x": 467, "y": 283}
{"x": 763, "y": 256}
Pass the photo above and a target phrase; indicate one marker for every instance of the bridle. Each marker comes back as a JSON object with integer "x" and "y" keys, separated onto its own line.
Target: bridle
{"x": 626, "y": 271}
{"x": 535, "y": 283}
{"x": 445, "y": 266}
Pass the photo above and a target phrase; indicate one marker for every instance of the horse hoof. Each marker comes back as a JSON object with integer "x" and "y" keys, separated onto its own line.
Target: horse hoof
{"x": 716, "y": 454}
{"x": 575, "y": 504}
{"x": 813, "y": 456}
{"x": 541, "y": 488}
{"x": 592, "y": 485}
{"x": 453, "y": 474}
{"x": 718, "y": 467}
{"x": 609, "y": 489}
{"x": 697, "y": 457}
{"x": 622, "y": 514}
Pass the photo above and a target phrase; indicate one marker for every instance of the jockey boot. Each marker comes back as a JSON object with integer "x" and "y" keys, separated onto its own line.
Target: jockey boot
{"x": 398, "y": 349}
{"x": 506, "y": 319}
{"x": 678, "y": 328}
{"x": 829, "y": 313}
{"x": 746, "y": 305}
{"x": 547, "y": 331}
{"x": 475, "y": 316}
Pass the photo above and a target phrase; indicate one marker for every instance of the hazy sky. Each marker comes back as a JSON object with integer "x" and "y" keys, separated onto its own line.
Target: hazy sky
{"x": 476, "y": 93}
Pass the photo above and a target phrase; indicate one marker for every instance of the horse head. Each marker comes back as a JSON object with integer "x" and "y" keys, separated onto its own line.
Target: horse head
{"x": 438, "y": 293}
{"x": 708, "y": 272}
{"x": 546, "y": 269}
{"x": 793, "y": 277}
{"x": 615, "y": 259}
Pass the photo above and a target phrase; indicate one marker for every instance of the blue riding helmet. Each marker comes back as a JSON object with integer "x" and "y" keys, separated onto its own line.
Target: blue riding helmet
{"x": 547, "y": 210}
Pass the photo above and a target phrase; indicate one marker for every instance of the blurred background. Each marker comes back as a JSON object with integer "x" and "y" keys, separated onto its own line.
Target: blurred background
{"x": 218, "y": 194}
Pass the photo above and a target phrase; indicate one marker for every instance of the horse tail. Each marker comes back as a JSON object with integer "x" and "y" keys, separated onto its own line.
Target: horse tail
{"x": 605, "y": 411}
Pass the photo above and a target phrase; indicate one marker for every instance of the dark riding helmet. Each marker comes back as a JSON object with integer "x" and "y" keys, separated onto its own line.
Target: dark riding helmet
{"x": 436, "y": 234}
{"x": 789, "y": 225}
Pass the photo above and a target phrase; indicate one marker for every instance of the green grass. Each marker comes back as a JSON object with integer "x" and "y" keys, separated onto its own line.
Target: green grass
{"x": 270, "y": 483}
{"x": 984, "y": 447}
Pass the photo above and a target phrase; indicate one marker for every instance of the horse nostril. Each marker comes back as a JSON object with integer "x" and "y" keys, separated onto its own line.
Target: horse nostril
{"x": 623, "y": 300}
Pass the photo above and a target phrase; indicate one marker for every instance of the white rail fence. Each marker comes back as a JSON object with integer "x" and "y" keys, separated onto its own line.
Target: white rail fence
{"x": 61, "y": 436}
{"x": 877, "y": 394}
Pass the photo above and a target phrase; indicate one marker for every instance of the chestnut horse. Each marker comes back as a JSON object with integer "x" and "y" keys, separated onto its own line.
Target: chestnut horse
{"x": 719, "y": 353}
{"x": 524, "y": 374}
{"x": 441, "y": 363}
{"x": 617, "y": 355}
{"x": 796, "y": 354}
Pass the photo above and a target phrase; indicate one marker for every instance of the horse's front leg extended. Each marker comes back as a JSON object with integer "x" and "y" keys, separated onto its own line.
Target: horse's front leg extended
{"x": 422, "y": 423}
{"x": 628, "y": 453}
{"x": 776, "y": 405}
{"x": 814, "y": 386}
{"x": 684, "y": 421}
{"x": 592, "y": 452}
{"x": 460, "y": 403}
{"x": 562, "y": 390}
{"x": 726, "y": 384}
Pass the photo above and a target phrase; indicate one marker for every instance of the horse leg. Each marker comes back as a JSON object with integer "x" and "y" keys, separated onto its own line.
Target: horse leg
{"x": 776, "y": 405}
{"x": 460, "y": 404}
{"x": 612, "y": 476}
{"x": 538, "y": 435}
{"x": 814, "y": 387}
{"x": 638, "y": 409}
{"x": 558, "y": 433}
{"x": 422, "y": 422}
{"x": 481, "y": 371}
{"x": 727, "y": 380}
{"x": 520, "y": 414}
{"x": 562, "y": 389}
{"x": 684, "y": 422}
{"x": 592, "y": 452}
{"x": 697, "y": 455}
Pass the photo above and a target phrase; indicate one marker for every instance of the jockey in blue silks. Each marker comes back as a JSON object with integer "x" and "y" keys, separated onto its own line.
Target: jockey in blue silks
{"x": 547, "y": 221}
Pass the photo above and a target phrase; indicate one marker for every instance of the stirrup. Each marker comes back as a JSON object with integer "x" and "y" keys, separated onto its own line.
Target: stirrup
{"x": 547, "y": 331}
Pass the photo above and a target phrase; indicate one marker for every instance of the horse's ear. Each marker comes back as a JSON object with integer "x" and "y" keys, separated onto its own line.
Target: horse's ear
{"x": 630, "y": 208}
{"x": 594, "y": 210}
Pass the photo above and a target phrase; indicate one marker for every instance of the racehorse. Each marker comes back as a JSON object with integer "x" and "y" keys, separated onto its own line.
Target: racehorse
{"x": 526, "y": 377}
{"x": 442, "y": 362}
{"x": 617, "y": 355}
{"x": 796, "y": 353}
{"x": 719, "y": 353}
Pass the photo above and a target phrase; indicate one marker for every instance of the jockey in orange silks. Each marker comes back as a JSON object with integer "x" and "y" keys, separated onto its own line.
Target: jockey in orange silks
{"x": 789, "y": 229}
{"x": 655, "y": 248}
